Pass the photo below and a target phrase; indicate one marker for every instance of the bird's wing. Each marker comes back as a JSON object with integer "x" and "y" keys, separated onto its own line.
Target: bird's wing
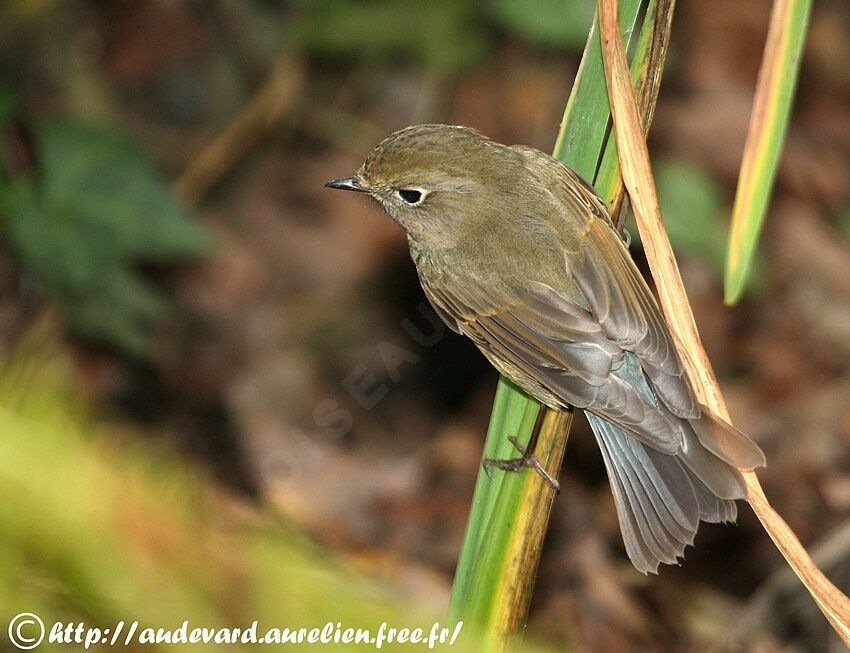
{"x": 542, "y": 335}
{"x": 618, "y": 297}
{"x": 625, "y": 309}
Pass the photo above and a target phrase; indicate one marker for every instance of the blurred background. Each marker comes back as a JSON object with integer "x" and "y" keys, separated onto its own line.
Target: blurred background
{"x": 209, "y": 355}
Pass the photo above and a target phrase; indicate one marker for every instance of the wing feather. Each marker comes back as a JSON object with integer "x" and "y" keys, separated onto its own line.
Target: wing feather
{"x": 617, "y": 295}
{"x": 572, "y": 357}
{"x": 624, "y": 307}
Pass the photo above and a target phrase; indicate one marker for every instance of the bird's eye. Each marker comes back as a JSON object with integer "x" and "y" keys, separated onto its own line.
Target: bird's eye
{"x": 410, "y": 195}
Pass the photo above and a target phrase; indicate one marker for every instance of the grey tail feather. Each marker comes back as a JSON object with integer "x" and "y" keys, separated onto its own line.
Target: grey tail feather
{"x": 726, "y": 442}
{"x": 659, "y": 500}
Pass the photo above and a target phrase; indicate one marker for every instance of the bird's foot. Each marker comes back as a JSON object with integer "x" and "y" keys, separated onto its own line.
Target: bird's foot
{"x": 528, "y": 460}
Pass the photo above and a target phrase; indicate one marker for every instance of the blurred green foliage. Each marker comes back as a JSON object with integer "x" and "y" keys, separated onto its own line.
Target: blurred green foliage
{"x": 692, "y": 204}
{"x": 8, "y": 107}
{"x": 99, "y": 528}
{"x": 86, "y": 218}
{"x": 842, "y": 220}
{"x": 92, "y": 213}
{"x": 553, "y": 23}
{"x": 439, "y": 34}
{"x": 693, "y": 207}
{"x": 445, "y": 36}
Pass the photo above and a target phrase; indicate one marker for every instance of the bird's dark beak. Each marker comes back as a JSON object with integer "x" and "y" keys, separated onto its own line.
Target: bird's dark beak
{"x": 347, "y": 183}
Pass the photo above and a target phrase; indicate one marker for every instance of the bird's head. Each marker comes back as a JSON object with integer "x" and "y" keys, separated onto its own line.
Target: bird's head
{"x": 435, "y": 180}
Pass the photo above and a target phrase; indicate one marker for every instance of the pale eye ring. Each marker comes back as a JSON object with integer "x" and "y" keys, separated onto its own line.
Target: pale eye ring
{"x": 412, "y": 196}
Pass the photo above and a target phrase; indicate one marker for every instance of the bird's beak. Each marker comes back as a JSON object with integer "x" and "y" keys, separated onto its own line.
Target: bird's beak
{"x": 347, "y": 183}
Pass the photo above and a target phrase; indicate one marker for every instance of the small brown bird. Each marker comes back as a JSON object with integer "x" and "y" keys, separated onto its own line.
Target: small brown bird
{"x": 517, "y": 252}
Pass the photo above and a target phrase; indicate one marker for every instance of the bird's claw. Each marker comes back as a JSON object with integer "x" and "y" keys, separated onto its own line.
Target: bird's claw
{"x": 527, "y": 460}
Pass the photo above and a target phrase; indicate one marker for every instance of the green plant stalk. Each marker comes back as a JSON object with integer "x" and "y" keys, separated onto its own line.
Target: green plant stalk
{"x": 507, "y": 523}
{"x": 768, "y": 125}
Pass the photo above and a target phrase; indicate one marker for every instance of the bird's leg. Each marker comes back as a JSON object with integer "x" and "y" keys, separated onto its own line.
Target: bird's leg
{"x": 528, "y": 458}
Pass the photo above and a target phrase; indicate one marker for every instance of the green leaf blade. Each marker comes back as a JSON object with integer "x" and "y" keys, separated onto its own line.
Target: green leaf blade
{"x": 768, "y": 126}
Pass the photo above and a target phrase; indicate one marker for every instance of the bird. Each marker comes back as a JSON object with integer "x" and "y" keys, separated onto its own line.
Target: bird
{"x": 517, "y": 252}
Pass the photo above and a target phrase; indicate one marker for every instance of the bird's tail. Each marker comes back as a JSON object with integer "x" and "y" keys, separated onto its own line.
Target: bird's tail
{"x": 726, "y": 442}
{"x": 660, "y": 499}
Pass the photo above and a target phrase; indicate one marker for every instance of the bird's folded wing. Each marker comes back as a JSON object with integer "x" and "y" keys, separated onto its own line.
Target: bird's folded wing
{"x": 618, "y": 297}
{"x": 625, "y": 309}
{"x": 559, "y": 345}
